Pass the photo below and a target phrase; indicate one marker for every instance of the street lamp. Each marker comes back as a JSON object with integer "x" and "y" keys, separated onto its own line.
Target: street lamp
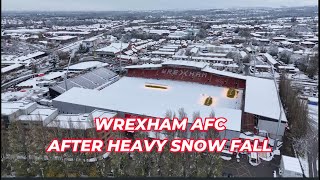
{"x": 120, "y": 50}
{"x": 42, "y": 171}
{"x": 66, "y": 75}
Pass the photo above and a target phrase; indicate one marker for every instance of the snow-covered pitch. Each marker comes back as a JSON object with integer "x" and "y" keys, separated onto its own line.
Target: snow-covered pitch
{"x": 130, "y": 95}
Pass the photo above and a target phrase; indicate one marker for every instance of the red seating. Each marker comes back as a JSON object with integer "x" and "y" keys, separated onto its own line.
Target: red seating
{"x": 189, "y": 75}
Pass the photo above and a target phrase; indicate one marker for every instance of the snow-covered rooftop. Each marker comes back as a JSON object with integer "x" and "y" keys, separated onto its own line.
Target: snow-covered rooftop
{"x": 114, "y": 47}
{"x": 291, "y": 164}
{"x": 53, "y": 75}
{"x": 29, "y": 56}
{"x": 85, "y": 65}
{"x": 162, "y": 53}
{"x": 270, "y": 59}
{"x": 200, "y": 65}
{"x": 21, "y": 31}
{"x": 8, "y": 108}
{"x": 143, "y": 66}
{"x": 224, "y": 73}
{"x": 10, "y": 68}
{"x": 213, "y": 54}
{"x": 261, "y": 98}
{"x": 79, "y": 121}
{"x": 40, "y": 114}
{"x": 62, "y": 38}
{"x": 70, "y": 32}
{"x": 155, "y": 102}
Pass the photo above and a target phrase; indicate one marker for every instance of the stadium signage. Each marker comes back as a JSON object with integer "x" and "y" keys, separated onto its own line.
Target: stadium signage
{"x": 184, "y": 73}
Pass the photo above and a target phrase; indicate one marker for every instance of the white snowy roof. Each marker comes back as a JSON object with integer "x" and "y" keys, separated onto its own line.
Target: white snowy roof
{"x": 162, "y": 53}
{"x": 233, "y": 65}
{"x": 155, "y": 59}
{"x": 212, "y": 59}
{"x": 186, "y": 63}
{"x": 293, "y": 40}
{"x": 133, "y": 90}
{"x": 262, "y": 66}
{"x": 70, "y": 47}
{"x": 24, "y": 31}
{"x": 261, "y": 98}
{"x": 167, "y": 49}
{"x": 39, "y": 114}
{"x": 243, "y": 54}
{"x": 255, "y": 34}
{"x": 224, "y": 73}
{"x": 279, "y": 38}
{"x": 53, "y": 75}
{"x": 143, "y": 66}
{"x": 67, "y": 121}
{"x": 308, "y": 43}
{"x": 79, "y": 121}
{"x": 312, "y": 39}
{"x": 218, "y": 65}
{"x": 286, "y": 42}
{"x": 32, "y": 82}
{"x": 100, "y": 113}
{"x": 213, "y": 54}
{"x": 10, "y": 68}
{"x": 29, "y": 56}
{"x": 8, "y": 108}
{"x": 270, "y": 59}
{"x": 62, "y": 38}
{"x": 313, "y": 99}
{"x": 291, "y": 164}
{"x": 128, "y": 57}
{"x": 159, "y": 31}
{"x": 70, "y": 32}
{"x": 114, "y": 47}
{"x": 85, "y": 65}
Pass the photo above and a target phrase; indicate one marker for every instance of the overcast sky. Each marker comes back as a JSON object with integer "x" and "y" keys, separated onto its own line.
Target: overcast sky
{"x": 107, "y": 5}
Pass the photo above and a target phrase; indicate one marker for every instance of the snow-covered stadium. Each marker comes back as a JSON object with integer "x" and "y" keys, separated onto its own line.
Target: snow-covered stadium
{"x": 150, "y": 90}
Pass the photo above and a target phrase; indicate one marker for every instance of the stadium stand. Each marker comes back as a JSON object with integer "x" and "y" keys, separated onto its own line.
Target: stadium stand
{"x": 89, "y": 80}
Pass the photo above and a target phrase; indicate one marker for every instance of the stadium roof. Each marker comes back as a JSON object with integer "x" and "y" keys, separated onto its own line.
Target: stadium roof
{"x": 138, "y": 99}
{"x": 88, "y": 80}
{"x": 143, "y": 66}
{"x": 201, "y": 65}
{"x": 264, "y": 93}
{"x": 224, "y": 73}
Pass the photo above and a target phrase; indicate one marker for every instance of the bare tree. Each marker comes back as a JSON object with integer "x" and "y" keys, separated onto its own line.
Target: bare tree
{"x": 18, "y": 148}
{"x": 313, "y": 66}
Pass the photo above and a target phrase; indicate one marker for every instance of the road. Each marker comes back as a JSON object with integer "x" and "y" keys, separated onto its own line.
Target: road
{"x": 313, "y": 156}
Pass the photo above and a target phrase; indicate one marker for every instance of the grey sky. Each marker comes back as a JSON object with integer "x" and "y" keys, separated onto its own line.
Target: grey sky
{"x": 105, "y": 5}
